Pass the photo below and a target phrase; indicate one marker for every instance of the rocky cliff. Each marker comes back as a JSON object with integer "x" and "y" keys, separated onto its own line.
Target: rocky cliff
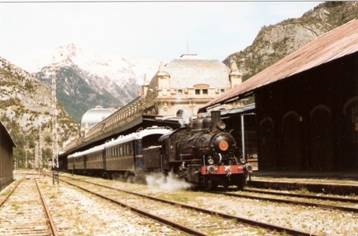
{"x": 276, "y": 41}
{"x": 25, "y": 110}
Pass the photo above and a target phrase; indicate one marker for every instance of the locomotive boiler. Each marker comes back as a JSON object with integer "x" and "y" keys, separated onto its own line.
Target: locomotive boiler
{"x": 204, "y": 154}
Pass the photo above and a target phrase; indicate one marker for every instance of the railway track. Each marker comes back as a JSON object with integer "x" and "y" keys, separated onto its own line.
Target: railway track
{"x": 25, "y": 199}
{"x": 303, "y": 195}
{"x": 209, "y": 222}
{"x": 335, "y": 203}
{"x": 9, "y": 193}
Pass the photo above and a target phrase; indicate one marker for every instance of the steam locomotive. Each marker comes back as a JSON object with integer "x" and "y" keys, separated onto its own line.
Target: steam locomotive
{"x": 201, "y": 152}
{"x": 204, "y": 154}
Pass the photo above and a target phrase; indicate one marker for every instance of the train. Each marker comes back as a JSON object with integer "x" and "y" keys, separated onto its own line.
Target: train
{"x": 201, "y": 152}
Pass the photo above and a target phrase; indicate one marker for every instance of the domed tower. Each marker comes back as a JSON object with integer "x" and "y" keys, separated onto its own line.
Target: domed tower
{"x": 235, "y": 74}
{"x": 163, "y": 77}
{"x": 93, "y": 116}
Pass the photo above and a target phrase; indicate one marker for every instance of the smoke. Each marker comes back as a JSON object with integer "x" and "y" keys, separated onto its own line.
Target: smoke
{"x": 169, "y": 183}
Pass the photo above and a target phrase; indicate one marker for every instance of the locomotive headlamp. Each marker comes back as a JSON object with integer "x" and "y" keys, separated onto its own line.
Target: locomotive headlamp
{"x": 211, "y": 169}
{"x": 223, "y": 145}
{"x": 210, "y": 161}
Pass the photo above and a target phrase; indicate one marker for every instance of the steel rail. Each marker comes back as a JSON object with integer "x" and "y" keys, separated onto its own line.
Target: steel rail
{"x": 303, "y": 195}
{"x": 290, "y": 201}
{"x": 11, "y": 192}
{"x": 47, "y": 212}
{"x": 158, "y": 218}
{"x": 223, "y": 215}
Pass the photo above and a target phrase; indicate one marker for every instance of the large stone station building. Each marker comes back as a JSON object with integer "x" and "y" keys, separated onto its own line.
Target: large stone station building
{"x": 187, "y": 83}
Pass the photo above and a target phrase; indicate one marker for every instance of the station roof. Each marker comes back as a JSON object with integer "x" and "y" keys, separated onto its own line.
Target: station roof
{"x": 242, "y": 110}
{"x": 3, "y": 130}
{"x": 335, "y": 44}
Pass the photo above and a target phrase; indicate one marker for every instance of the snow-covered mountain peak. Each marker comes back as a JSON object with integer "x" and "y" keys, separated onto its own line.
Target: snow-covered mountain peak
{"x": 113, "y": 69}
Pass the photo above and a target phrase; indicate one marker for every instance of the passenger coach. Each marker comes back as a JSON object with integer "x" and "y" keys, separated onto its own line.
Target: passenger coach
{"x": 127, "y": 155}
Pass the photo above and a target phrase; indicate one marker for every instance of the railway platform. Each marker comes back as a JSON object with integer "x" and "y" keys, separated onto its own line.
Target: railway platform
{"x": 335, "y": 183}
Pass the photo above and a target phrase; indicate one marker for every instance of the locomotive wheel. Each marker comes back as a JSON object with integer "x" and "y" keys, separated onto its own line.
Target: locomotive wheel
{"x": 240, "y": 182}
{"x": 210, "y": 185}
{"x": 226, "y": 185}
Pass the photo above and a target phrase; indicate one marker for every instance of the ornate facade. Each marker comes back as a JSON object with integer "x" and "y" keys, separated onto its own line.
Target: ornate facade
{"x": 188, "y": 83}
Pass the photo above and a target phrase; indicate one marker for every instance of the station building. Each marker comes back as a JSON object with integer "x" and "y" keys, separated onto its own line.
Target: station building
{"x": 6, "y": 160}
{"x": 188, "y": 83}
{"x": 306, "y": 106}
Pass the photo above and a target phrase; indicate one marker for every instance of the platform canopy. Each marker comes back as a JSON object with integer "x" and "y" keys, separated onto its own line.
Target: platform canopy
{"x": 337, "y": 43}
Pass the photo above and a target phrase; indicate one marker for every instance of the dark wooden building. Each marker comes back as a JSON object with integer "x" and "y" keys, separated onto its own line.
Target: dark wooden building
{"x": 6, "y": 160}
{"x": 307, "y": 106}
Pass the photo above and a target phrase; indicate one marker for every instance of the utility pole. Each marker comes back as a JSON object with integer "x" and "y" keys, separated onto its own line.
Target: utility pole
{"x": 36, "y": 164}
{"x": 40, "y": 149}
{"x": 26, "y": 163}
{"x": 54, "y": 124}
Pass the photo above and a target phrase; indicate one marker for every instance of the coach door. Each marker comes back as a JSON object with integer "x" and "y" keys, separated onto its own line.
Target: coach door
{"x": 138, "y": 154}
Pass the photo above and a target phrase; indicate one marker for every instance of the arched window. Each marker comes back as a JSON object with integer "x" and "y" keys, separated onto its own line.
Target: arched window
{"x": 291, "y": 142}
{"x": 321, "y": 139}
{"x": 266, "y": 143}
{"x": 350, "y": 134}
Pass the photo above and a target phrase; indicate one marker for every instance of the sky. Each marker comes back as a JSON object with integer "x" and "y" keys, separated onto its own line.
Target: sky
{"x": 30, "y": 32}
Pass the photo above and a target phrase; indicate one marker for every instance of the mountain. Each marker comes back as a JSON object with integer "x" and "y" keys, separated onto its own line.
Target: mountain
{"x": 25, "y": 110}
{"x": 85, "y": 80}
{"x": 276, "y": 41}
{"x": 73, "y": 90}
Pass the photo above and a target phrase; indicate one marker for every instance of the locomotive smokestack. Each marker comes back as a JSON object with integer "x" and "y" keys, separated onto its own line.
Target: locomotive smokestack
{"x": 215, "y": 118}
